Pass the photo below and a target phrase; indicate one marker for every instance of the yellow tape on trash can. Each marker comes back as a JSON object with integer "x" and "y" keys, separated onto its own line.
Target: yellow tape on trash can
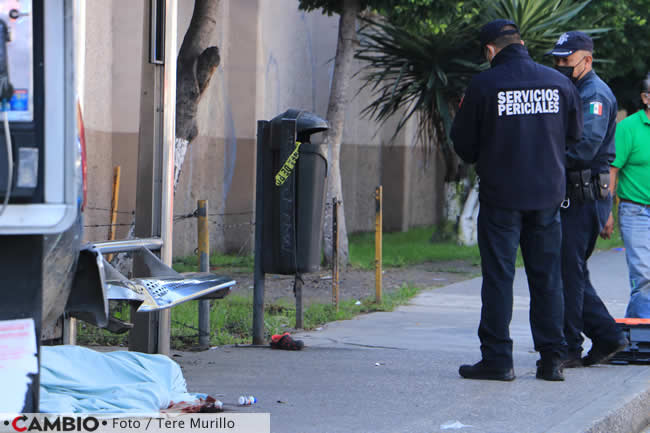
{"x": 288, "y": 166}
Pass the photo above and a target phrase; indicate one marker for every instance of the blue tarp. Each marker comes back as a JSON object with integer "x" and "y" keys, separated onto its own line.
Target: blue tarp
{"x": 75, "y": 379}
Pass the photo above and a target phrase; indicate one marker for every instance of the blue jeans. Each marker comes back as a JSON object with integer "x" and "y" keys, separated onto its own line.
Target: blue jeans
{"x": 538, "y": 232}
{"x": 635, "y": 229}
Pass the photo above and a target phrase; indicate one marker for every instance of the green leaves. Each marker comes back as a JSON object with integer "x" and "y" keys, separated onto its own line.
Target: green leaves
{"x": 330, "y": 7}
{"x": 626, "y": 46}
{"x": 411, "y": 73}
{"x": 541, "y": 22}
{"x": 420, "y": 60}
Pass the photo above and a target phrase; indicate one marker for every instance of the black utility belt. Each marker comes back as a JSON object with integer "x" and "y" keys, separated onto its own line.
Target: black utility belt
{"x": 583, "y": 186}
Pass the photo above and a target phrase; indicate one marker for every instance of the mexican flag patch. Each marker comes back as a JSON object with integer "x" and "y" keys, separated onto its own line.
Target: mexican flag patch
{"x": 596, "y": 108}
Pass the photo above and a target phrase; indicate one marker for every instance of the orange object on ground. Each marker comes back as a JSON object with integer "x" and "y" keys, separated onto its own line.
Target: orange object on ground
{"x": 634, "y": 321}
{"x": 637, "y": 331}
{"x": 285, "y": 342}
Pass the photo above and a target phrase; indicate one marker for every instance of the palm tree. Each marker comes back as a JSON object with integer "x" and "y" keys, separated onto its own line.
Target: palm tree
{"x": 419, "y": 75}
{"x": 425, "y": 75}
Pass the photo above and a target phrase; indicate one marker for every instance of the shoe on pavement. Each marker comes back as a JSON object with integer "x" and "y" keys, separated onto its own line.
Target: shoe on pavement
{"x": 481, "y": 371}
{"x": 570, "y": 362}
{"x": 285, "y": 342}
{"x": 600, "y": 354}
{"x": 550, "y": 369}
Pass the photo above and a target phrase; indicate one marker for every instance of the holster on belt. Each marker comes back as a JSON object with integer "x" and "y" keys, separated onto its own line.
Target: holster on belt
{"x": 579, "y": 186}
{"x": 603, "y": 180}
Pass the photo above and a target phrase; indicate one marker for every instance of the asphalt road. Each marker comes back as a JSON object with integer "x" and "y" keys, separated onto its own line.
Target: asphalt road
{"x": 398, "y": 372}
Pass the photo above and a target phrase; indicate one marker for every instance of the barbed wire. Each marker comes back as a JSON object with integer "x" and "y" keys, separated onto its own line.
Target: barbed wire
{"x": 195, "y": 214}
{"x": 186, "y": 216}
{"x": 229, "y": 226}
{"x": 110, "y": 210}
{"x": 250, "y": 212}
{"x": 216, "y": 223}
{"x": 178, "y": 218}
{"x": 107, "y": 225}
{"x": 184, "y": 325}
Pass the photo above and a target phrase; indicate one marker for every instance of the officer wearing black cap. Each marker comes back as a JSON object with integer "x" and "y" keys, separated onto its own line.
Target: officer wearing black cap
{"x": 588, "y": 205}
{"x": 515, "y": 122}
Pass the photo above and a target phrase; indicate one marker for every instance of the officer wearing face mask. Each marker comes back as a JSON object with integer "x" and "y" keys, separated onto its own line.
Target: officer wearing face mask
{"x": 588, "y": 206}
{"x": 515, "y": 123}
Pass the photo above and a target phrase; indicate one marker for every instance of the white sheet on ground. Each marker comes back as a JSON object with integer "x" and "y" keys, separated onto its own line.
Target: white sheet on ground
{"x": 79, "y": 380}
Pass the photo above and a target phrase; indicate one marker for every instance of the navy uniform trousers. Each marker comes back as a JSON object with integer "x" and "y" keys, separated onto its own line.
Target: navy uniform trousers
{"x": 584, "y": 310}
{"x": 538, "y": 232}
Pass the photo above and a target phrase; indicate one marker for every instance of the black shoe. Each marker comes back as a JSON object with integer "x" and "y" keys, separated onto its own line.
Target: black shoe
{"x": 601, "y": 354}
{"x": 570, "y": 362}
{"x": 550, "y": 369}
{"x": 484, "y": 372}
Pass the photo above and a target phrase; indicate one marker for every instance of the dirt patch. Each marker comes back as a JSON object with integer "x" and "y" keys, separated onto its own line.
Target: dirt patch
{"x": 356, "y": 284}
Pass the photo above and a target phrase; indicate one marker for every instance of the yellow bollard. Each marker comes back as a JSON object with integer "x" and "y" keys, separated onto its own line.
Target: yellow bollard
{"x": 203, "y": 233}
{"x": 116, "y": 197}
{"x": 378, "y": 241}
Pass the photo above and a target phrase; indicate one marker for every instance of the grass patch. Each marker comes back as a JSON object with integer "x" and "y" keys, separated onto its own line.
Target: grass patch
{"x": 409, "y": 248}
{"x": 191, "y": 263}
{"x": 231, "y": 319}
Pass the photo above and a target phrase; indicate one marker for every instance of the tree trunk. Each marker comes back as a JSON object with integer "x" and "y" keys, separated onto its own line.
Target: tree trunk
{"x": 197, "y": 61}
{"x": 455, "y": 195}
{"x": 336, "y": 116}
{"x": 467, "y": 226}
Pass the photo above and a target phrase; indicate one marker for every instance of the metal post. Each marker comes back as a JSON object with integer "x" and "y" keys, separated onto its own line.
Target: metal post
{"x": 258, "y": 290}
{"x": 297, "y": 290}
{"x": 168, "y": 148}
{"x": 144, "y": 335}
{"x": 155, "y": 189}
{"x": 335, "y": 258}
{"x": 69, "y": 330}
{"x": 116, "y": 197}
{"x": 204, "y": 266}
{"x": 378, "y": 242}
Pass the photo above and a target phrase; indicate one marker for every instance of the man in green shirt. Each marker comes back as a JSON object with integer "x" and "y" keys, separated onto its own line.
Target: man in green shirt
{"x": 632, "y": 166}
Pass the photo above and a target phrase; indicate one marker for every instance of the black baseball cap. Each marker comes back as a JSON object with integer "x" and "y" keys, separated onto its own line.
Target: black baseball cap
{"x": 493, "y": 29}
{"x": 570, "y": 42}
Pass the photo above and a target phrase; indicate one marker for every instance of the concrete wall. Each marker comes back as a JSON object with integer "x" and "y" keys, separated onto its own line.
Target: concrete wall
{"x": 98, "y": 113}
{"x": 273, "y": 57}
{"x": 111, "y": 108}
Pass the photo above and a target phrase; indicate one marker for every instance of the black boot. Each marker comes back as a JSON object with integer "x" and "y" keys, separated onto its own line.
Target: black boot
{"x": 550, "y": 368}
{"x": 601, "y": 353}
{"x": 571, "y": 361}
{"x": 484, "y": 372}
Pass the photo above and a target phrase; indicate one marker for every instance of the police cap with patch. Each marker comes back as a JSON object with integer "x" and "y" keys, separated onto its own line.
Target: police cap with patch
{"x": 492, "y": 30}
{"x": 570, "y": 42}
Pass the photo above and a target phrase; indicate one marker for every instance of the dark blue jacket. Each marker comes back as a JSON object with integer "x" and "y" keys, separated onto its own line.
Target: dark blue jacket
{"x": 596, "y": 148}
{"x": 516, "y": 121}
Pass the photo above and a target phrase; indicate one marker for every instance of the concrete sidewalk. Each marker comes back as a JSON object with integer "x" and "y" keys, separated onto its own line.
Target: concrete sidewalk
{"x": 398, "y": 372}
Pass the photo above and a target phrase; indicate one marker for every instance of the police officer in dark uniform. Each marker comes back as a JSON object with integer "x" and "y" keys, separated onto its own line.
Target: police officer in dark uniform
{"x": 515, "y": 122}
{"x": 588, "y": 205}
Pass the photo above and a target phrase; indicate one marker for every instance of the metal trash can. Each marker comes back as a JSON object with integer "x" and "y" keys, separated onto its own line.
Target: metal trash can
{"x": 294, "y": 173}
